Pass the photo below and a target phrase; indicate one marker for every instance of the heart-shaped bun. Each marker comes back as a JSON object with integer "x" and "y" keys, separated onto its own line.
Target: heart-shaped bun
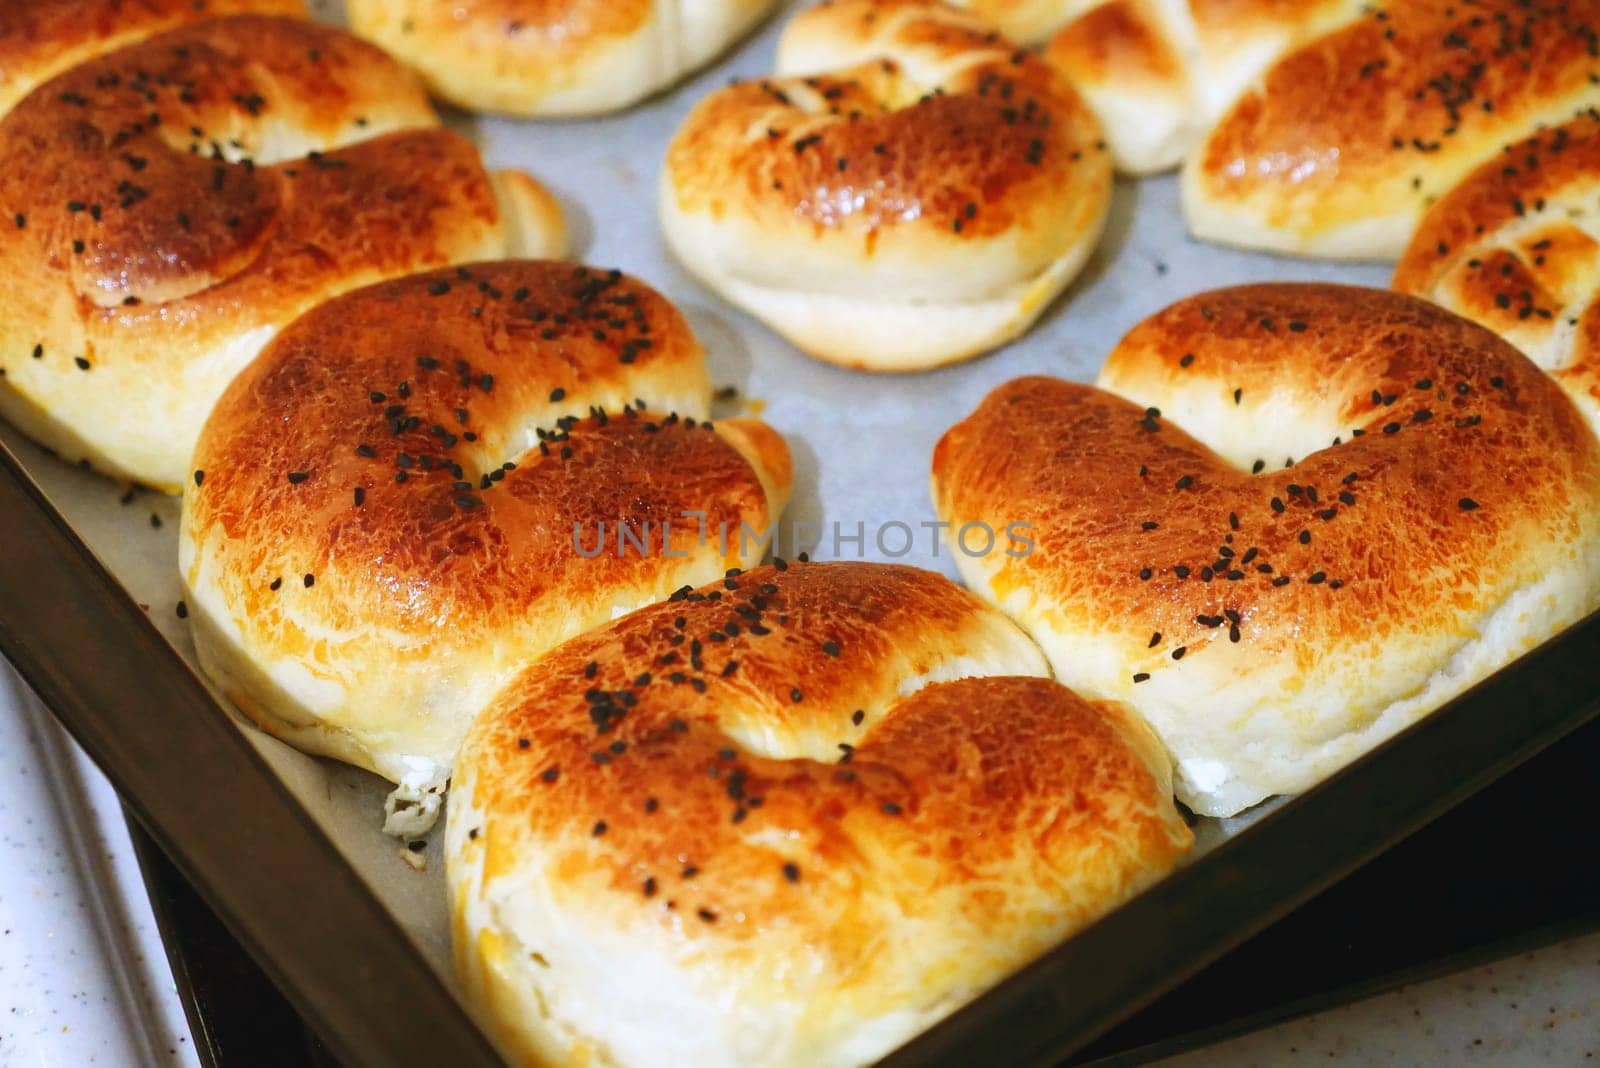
{"x": 416, "y": 490}
{"x": 909, "y": 189}
{"x": 1440, "y": 518}
{"x": 791, "y": 818}
{"x": 168, "y": 207}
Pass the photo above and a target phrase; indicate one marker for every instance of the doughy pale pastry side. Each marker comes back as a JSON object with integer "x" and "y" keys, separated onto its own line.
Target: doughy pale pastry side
{"x": 417, "y": 489}
{"x": 909, "y": 189}
{"x": 553, "y": 57}
{"x": 1440, "y": 518}
{"x": 170, "y": 206}
{"x": 1160, "y": 73}
{"x": 1516, "y": 247}
{"x": 790, "y": 818}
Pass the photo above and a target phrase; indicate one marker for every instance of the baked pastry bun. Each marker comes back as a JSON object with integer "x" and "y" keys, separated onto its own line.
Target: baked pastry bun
{"x": 170, "y": 206}
{"x": 416, "y": 490}
{"x": 1342, "y": 144}
{"x": 1160, "y": 73}
{"x": 1514, "y": 247}
{"x": 41, "y": 38}
{"x": 908, "y": 190}
{"x": 553, "y": 57}
{"x": 1441, "y": 517}
{"x": 789, "y": 818}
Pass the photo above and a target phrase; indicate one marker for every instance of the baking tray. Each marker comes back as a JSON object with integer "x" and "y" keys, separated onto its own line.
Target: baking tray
{"x": 287, "y": 849}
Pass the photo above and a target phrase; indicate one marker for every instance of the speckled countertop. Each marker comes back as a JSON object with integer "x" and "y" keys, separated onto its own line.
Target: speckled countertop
{"x": 83, "y": 979}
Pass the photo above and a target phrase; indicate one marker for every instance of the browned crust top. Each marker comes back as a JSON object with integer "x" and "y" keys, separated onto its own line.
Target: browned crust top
{"x": 1457, "y": 455}
{"x": 379, "y": 446}
{"x": 629, "y": 734}
{"x": 125, "y": 173}
{"x": 40, "y": 37}
{"x": 866, "y": 149}
{"x": 1363, "y": 111}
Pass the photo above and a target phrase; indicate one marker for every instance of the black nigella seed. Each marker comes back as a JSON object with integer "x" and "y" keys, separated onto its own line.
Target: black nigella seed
{"x": 1177, "y": 654}
{"x": 1467, "y": 504}
{"x": 831, "y": 648}
{"x": 1185, "y": 482}
{"x": 297, "y": 477}
{"x": 199, "y": 477}
{"x": 791, "y": 871}
{"x": 1141, "y": 676}
{"x": 890, "y": 808}
{"x": 796, "y": 696}
{"x": 438, "y": 287}
{"x": 550, "y": 774}
{"x": 183, "y": 610}
{"x": 310, "y": 580}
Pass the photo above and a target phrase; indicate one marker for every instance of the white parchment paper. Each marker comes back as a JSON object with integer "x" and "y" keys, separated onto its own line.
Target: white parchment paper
{"x": 861, "y": 443}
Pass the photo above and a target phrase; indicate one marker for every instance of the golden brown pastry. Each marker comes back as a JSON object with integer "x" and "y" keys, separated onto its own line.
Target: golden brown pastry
{"x": 416, "y": 490}
{"x": 168, "y": 207}
{"x": 908, "y": 190}
{"x": 1342, "y": 144}
{"x": 1273, "y": 622}
{"x": 790, "y": 818}
{"x": 553, "y": 57}
{"x": 1160, "y": 73}
{"x": 41, "y": 38}
{"x": 1516, "y": 247}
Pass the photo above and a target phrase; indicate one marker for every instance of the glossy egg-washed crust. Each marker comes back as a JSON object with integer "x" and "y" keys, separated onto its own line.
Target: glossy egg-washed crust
{"x": 384, "y": 504}
{"x": 747, "y": 789}
{"x": 1231, "y": 593}
{"x": 40, "y": 38}
{"x": 904, "y": 156}
{"x": 1516, "y": 247}
{"x": 553, "y": 57}
{"x": 1344, "y": 142}
{"x": 169, "y": 205}
{"x": 866, "y": 161}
